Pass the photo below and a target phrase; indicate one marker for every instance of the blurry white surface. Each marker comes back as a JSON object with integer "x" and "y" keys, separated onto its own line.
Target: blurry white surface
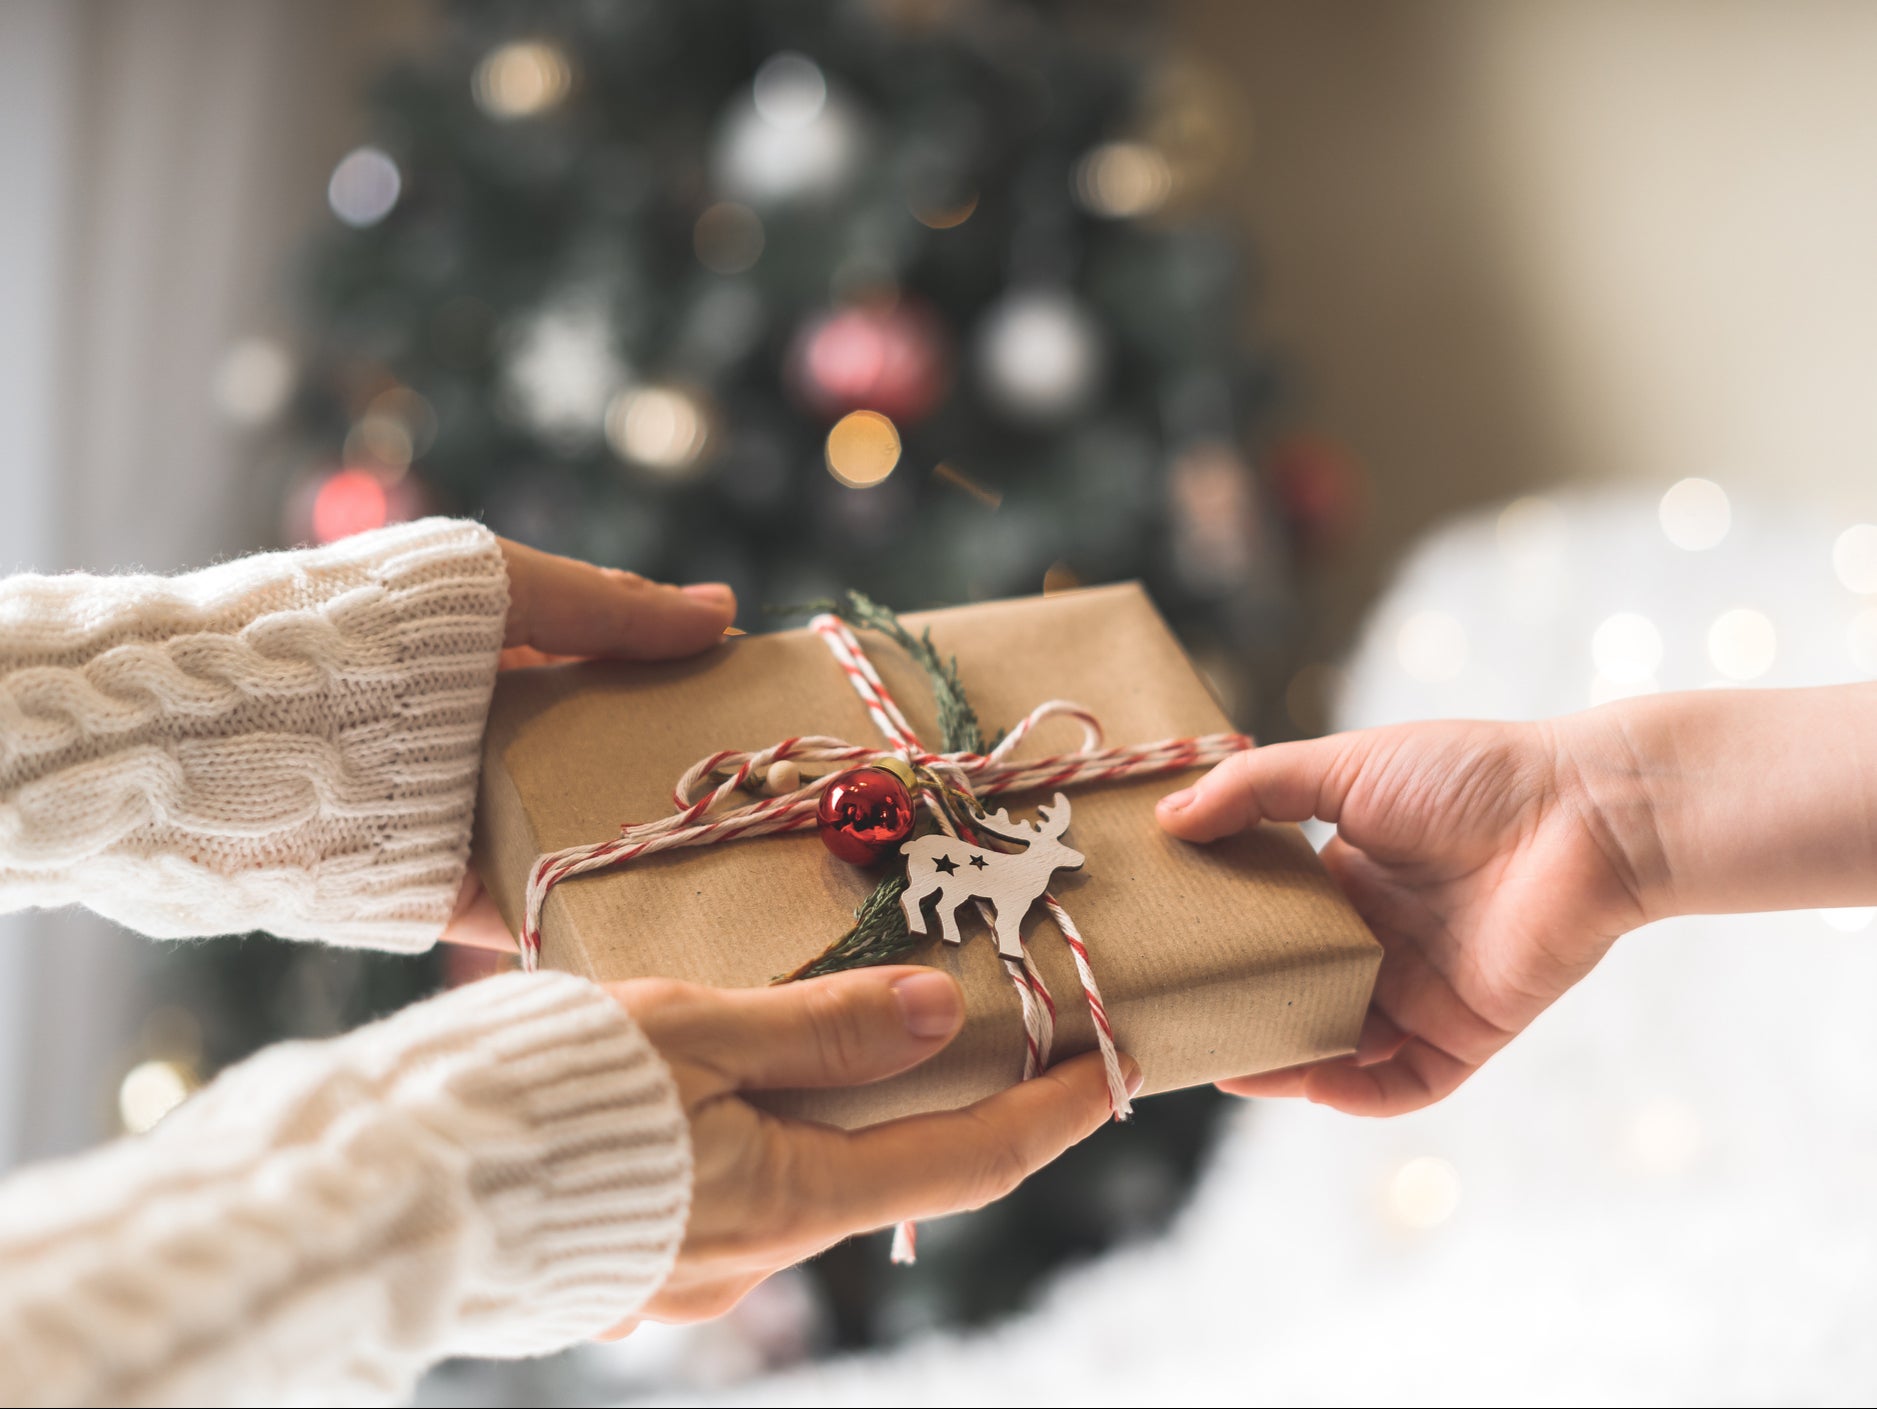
{"x": 1660, "y": 1193}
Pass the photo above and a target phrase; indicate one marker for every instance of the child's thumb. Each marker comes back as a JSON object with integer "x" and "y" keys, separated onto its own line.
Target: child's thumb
{"x": 1276, "y": 783}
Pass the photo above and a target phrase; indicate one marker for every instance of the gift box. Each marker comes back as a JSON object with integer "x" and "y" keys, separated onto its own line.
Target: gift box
{"x": 1213, "y": 961}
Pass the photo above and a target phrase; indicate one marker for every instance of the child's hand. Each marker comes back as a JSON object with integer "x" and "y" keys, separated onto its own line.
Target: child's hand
{"x": 1477, "y": 855}
{"x": 768, "y": 1192}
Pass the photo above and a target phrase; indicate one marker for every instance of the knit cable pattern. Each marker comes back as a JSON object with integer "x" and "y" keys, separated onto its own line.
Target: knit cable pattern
{"x": 287, "y": 742}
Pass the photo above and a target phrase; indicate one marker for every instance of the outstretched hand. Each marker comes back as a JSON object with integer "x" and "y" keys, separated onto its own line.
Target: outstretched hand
{"x": 561, "y": 609}
{"x": 1478, "y": 858}
{"x": 767, "y": 1191}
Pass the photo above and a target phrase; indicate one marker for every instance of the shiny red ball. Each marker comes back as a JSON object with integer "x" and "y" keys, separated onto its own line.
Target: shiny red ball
{"x": 864, "y": 814}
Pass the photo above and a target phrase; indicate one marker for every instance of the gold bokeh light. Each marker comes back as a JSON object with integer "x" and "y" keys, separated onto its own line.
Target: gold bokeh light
{"x": 863, "y": 449}
{"x": 522, "y": 79}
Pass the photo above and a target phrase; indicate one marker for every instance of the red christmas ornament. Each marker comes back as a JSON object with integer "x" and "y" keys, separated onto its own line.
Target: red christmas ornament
{"x": 864, "y": 814}
{"x": 891, "y": 359}
{"x": 1320, "y": 488}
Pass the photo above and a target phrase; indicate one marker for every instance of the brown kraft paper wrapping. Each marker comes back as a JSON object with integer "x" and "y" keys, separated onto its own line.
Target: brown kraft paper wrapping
{"x": 1214, "y": 961}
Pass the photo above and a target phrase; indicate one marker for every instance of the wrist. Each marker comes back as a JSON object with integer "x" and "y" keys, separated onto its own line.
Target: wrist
{"x": 1609, "y": 772}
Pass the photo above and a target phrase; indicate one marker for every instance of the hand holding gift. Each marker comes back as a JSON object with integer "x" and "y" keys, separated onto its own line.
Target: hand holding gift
{"x": 768, "y": 1191}
{"x": 1497, "y": 863}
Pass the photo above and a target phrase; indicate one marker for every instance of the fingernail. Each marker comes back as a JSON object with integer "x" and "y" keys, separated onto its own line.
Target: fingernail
{"x": 1173, "y": 802}
{"x": 929, "y": 1003}
{"x": 718, "y": 594}
{"x": 1131, "y": 1069}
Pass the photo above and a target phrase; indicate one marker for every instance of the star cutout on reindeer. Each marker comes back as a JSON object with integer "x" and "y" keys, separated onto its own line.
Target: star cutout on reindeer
{"x": 1009, "y": 881}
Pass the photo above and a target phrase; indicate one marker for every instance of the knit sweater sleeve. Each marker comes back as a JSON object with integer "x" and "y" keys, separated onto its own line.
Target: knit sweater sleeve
{"x": 285, "y": 742}
{"x": 497, "y": 1171}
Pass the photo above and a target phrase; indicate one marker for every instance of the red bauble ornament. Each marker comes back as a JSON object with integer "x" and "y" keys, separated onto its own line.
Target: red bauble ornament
{"x": 1320, "y": 488}
{"x": 889, "y": 358}
{"x": 864, "y": 814}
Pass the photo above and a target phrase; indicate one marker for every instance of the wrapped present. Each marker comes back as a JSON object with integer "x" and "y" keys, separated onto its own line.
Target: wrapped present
{"x": 1210, "y": 961}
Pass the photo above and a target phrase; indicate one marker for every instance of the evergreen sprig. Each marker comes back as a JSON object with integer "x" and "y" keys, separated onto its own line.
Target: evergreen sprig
{"x": 879, "y": 934}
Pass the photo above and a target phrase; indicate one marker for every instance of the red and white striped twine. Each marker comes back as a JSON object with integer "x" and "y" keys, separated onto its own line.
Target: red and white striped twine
{"x": 695, "y": 821}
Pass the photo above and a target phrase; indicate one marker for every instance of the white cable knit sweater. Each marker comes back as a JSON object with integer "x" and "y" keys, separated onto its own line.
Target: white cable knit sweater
{"x": 289, "y": 742}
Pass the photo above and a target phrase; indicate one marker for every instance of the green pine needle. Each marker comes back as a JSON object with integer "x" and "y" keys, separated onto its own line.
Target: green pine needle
{"x": 879, "y": 935}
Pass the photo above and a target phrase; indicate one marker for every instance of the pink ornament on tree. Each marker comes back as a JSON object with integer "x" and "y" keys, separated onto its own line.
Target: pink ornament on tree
{"x": 893, "y": 358}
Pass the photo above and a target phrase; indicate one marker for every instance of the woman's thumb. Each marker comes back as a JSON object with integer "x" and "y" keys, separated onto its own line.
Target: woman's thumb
{"x": 567, "y": 608}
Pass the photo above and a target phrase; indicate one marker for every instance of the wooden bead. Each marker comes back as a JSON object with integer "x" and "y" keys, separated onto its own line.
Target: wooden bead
{"x": 784, "y": 777}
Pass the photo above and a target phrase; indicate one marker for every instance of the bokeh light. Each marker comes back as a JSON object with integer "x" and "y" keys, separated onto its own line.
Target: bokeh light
{"x": 1422, "y": 1194}
{"x": 944, "y": 217}
{"x": 1743, "y": 644}
{"x": 728, "y": 238}
{"x": 863, "y": 448}
{"x": 1039, "y": 355}
{"x": 662, "y": 428}
{"x": 1849, "y": 919}
{"x": 1431, "y": 646}
{"x": 151, "y": 1090}
{"x": 1626, "y": 649}
{"x": 1695, "y": 514}
{"x": 1665, "y": 1138}
{"x": 351, "y": 501}
{"x": 1123, "y": 180}
{"x": 364, "y": 187}
{"x": 790, "y": 91}
{"x": 1854, "y": 557}
{"x": 1060, "y": 577}
{"x": 253, "y": 380}
{"x": 521, "y": 79}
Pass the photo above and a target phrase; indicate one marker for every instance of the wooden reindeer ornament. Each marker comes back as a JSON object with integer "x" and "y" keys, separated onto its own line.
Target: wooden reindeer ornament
{"x": 1010, "y": 882}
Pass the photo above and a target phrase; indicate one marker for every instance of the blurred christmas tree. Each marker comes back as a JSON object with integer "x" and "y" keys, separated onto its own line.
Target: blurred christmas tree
{"x": 911, "y": 297}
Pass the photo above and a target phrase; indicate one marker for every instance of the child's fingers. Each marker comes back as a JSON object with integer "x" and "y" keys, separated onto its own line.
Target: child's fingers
{"x": 1416, "y": 1076}
{"x": 1276, "y": 783}
{"x": 1267, "y": 1085}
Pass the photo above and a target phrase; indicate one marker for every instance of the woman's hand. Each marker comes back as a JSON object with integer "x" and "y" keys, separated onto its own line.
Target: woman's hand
{"x": 560, "y": 609}
{"x": 1494, "y": 876}
{"x": 768, "y": 1192}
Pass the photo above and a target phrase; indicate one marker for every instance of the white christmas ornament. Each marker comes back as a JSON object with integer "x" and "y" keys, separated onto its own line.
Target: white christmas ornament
{"x": 1009, "y": 882}
{"x": 561, "y": 372}
{"x": 1040, "y": 355}
{"x": 789, "y": 138}
{"x": 365, "y": 185}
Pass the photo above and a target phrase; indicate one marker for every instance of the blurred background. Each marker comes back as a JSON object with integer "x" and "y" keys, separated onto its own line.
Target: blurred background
{"x": 1422, "y": 359}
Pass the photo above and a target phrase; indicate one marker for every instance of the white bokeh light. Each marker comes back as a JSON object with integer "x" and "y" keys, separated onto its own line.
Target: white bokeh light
{"x": 149, "y": 1091}
{"x": 789, "y": 91}
{"x": 1626, "y": 648}
{"x": 1665, "y": 1137}
{"x": 1743, "y": 644}
{"x": 1854, "y": 557}
{"x": 1695, "y": 514}
{"x": 1431, "y": 646}
{"x": 1423, "y": 1193}
{"x": 364, "y": 187}
{"x": 1849, "y": 919}
{"x": 252, "y": 381}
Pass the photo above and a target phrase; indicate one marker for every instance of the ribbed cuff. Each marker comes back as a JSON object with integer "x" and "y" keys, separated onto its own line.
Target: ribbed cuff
{"x": 578, "y": 1153}
{"x": 428, "y": 629}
